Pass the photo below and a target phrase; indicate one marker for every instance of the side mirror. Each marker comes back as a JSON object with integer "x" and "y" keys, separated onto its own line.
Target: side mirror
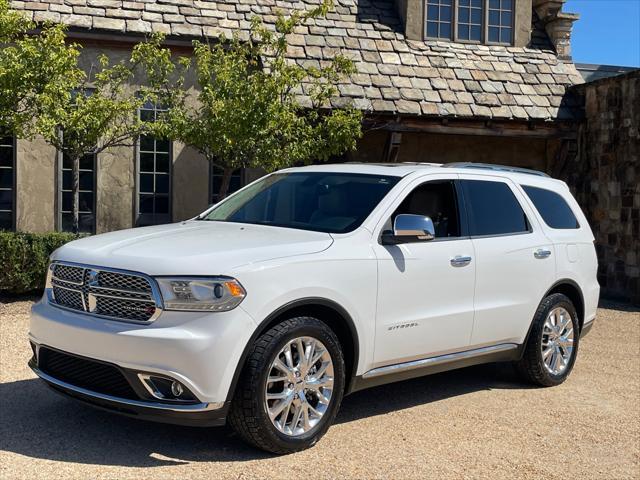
{"x": 410, "y": 229}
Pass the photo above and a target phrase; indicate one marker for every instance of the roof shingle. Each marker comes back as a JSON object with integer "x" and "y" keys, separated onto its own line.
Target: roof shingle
{"x": 395, "y": 75}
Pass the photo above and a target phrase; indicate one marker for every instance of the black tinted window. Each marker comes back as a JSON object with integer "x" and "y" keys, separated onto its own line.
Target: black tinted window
{"x": 324, "y": 202}
{"x": 436, "y": 200}
{"x": 552, "y": 208}
{"x": 493, "y": 209}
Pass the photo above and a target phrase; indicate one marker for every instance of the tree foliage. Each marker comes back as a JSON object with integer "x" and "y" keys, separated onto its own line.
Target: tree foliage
{"x": 252, "y": 106}
{"x": 33, "y": 68}
{"x": 248, "y": 110}
{"x": 99, "y": 113}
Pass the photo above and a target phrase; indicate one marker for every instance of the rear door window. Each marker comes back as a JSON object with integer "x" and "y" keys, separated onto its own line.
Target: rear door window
{"x": 493, "y": 209}
{"x": 553, "y": 209}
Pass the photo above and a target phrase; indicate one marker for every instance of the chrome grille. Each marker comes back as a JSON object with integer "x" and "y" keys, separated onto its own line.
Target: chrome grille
{"x": 69, "y": 274}
{"x": 104, "y": 292}
{"x": 123, "y": 282}
{"x": 68, "y": 298}
{"x": 129, "y": 310}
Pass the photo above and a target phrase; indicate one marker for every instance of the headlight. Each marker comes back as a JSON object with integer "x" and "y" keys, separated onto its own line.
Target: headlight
{"x": 215, "y": 294}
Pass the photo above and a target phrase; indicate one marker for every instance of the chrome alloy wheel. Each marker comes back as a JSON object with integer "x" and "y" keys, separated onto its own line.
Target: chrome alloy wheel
{"x": 557, "y": 341}
{"x": 299, "y": 386}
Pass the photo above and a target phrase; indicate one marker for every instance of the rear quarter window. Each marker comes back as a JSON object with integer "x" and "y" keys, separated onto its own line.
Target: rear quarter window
{"x": 553, "y": 209}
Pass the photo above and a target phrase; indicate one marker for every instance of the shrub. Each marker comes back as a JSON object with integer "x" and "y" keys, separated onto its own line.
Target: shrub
{"x": 24, "y": 258}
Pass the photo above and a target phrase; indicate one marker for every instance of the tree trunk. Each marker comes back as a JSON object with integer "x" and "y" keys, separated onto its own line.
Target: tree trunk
{"x": 75, "y": 191}
{"x": 226, "y": 181}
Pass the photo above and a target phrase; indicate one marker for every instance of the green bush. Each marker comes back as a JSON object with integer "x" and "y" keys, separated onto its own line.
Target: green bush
{"x": 24, "y": 258}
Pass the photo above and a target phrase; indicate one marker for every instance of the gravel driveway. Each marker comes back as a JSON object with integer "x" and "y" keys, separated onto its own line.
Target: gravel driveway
{"x": 473, "y": 423}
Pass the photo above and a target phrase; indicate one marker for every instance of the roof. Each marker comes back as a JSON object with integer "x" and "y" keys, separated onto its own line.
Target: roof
{"x": 592, "y": 72}
{"x": 383, "y": 169}
{"x": 395, "y": 75}
{"x": 403, "y": 169}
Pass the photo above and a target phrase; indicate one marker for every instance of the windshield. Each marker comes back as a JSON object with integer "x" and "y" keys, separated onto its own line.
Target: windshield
{"x": 319, "y": 201}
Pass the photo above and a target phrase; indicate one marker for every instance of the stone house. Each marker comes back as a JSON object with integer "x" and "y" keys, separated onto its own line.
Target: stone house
{"x": 439, "y": 80}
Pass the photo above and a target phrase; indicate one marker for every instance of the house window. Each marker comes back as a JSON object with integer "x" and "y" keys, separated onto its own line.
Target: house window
{"x": 470, "y": 20}
{"x": 500, "y": 21}
{"x": 216, "y": 180}
{"x": 154, "y": 175}
{"x": 439, "y": 18}
{"x": 474, "y": 21}
{"x": 7, "y": 182}
{"x": 87, "y": 197}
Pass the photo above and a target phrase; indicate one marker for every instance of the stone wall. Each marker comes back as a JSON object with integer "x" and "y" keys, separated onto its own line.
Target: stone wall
{"x": 605, "y": 176}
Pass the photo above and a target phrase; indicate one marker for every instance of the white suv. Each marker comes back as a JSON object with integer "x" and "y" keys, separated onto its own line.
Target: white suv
{"x": 315, "y": 282}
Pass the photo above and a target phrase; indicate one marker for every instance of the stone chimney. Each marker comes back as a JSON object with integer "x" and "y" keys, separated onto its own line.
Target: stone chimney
{"x": 412, "y": 14}
{"x": 557, "y": 23}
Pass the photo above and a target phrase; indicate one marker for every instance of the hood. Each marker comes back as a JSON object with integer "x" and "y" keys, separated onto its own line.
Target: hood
{"x": 192, "y": 247}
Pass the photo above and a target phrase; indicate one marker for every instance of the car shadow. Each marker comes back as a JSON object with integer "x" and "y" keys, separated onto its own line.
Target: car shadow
{"x": 419, "y": 391}
{"x": 618, "y": 305}
{"x": 38, "y": 423}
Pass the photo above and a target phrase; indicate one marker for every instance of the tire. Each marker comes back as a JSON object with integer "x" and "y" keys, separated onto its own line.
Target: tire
{"x": 249, "y": 415}
{"x": 532, "y": 366}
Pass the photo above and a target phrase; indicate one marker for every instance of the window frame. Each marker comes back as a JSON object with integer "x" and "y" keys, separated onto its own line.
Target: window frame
{"x": 14, "y": 168}
{"x": 460, "y": 206}
{"x": 512, "y": 26}
{"x": 484, "y": 25}
{"x": 516, "y": 196}
{"x": 426, "y": 21}
{"x": 59, "y": 184}
{"x": 151, "y": 218}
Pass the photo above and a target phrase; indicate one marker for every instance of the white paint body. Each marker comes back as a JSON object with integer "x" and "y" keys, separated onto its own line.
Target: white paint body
{"x": 491, "y": 301}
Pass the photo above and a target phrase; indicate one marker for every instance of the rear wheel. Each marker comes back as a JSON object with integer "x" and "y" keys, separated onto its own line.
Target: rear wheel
{"x": 552, "y": 346}
{"x": 291, "y": 386}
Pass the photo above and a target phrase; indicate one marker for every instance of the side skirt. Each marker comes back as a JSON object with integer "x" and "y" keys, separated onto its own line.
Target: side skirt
{"x": 428, "y": 366}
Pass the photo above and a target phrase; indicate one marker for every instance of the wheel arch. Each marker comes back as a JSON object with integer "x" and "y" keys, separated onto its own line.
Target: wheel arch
{"x": 572, "y": 290}
{"x": 325, "y": 310}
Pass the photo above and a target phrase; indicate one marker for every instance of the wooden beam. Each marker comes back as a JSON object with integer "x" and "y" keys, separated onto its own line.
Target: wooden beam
{"x": 480, "y": 127}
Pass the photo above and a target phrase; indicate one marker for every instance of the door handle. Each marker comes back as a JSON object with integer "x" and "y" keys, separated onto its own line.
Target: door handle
{"x": 460, "y": 261}
{"x": 542, "y": 253}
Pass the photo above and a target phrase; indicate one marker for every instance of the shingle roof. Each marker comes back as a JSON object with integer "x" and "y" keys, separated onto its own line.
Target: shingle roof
{"x": 395, "y": 75}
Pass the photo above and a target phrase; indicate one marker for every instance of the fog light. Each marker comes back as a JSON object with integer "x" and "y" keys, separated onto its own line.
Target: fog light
{"x": 164, "y": 388}
{"x": 176, "y": 389}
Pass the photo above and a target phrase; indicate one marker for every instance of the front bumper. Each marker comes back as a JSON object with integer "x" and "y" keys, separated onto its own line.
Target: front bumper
{"x": 195, "y": 415}
{"x": 200, "y": 350}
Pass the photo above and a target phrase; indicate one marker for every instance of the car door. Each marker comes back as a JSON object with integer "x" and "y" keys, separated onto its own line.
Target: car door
{"x": 514, "y": 259}
{"x": 425, "y": 290}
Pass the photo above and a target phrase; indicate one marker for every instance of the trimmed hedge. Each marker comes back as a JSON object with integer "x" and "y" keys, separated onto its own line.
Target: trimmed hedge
{"x": 24, "y": 258}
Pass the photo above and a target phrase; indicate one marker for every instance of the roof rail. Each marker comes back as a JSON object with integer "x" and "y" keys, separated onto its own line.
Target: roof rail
{"x": 497, "y": 168}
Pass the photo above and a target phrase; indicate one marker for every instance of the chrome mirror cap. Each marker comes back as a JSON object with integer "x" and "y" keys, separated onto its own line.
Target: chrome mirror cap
{"x": 406, "y": 225}
{"x": 410, "y": 229}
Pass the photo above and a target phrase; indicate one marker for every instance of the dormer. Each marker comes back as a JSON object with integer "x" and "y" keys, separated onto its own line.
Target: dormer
{"x": 485, "y": 22}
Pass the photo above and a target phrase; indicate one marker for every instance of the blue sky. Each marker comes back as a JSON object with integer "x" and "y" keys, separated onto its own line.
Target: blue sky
{"x": 607, "y": 33}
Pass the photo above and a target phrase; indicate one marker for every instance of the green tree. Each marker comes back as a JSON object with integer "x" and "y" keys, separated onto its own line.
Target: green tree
{"x": 247, "y": 111}
{"x": 33, "y": 66}
{"x": 101, "y": 112}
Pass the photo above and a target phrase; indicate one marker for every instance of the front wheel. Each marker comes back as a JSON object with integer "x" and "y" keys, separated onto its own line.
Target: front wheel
{"x": 291, "y": 386}
{"x": 551, "y": 349}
